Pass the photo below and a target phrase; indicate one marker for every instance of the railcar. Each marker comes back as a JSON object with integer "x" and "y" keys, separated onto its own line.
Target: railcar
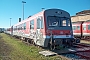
{"x": 46, "y": 27}
{"x": 86, "y": 29}
{"x": 77, "y": 29}
{"x": 8, "y": 31}
{"x": 1, "y": 30}
{"x": 81, "y": 29}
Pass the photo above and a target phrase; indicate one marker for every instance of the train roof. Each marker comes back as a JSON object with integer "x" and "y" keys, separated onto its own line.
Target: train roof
{"x": 31, "y": 17}
{"x": 39, "y": 14}
{"x": 87, "y": 21}
{"x": 78, "y": 22}
{"x": 56, "y": 9}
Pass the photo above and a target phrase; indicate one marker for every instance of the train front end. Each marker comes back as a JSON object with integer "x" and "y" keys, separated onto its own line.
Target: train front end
{"x": 58, "y": 28}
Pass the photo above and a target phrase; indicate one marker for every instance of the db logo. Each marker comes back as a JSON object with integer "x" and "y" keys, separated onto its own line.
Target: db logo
{"x": 61, "y": 32}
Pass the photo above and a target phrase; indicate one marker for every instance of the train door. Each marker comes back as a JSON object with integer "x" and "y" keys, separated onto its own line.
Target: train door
{"x": 32, "y": 29}
{"x": 39, "y": 35}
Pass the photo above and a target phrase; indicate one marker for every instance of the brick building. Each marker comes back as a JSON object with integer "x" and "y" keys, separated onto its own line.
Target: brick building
{"x": 81, "y": 16}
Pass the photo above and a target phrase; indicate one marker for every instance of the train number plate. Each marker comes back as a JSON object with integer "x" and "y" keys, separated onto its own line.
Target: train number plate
{"x": 67, "y": 35}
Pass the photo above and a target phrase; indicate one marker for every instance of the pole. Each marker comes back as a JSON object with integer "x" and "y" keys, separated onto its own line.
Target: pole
{"x": 23, "y": 8}
{"x": 10, "y": 22}
{"x": 23, "y": 11}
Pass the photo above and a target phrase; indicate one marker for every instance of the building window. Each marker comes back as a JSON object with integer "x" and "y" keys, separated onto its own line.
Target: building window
{"x": 32, "y": 24}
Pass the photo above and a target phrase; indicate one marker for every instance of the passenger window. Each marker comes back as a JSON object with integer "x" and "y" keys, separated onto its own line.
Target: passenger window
{"x": 42, "y": 24}
{"x": 84, "y": 27}
{"x": 16, "y": 28}
{"x": 32, "y": 24}
{"x": 39, "y": 23}
{"x": 78, "y": 27}
{"x": 24, "y": 26}
{"x": 21, "y": 26}
{"x": 74, "y": 27}
{"x": 88, "y": 27}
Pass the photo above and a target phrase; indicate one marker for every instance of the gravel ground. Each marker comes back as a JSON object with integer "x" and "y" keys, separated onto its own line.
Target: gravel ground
{"x": 5, "y": 50}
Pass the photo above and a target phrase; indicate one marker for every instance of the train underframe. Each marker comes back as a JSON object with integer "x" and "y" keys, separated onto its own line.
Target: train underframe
{"x": 84, "y": 37}
{"x": 62, "y": 42}
{"x": 52, "y": 43}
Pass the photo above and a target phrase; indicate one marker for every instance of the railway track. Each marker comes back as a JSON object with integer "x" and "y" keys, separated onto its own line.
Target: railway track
{"x": 82, "y": 52}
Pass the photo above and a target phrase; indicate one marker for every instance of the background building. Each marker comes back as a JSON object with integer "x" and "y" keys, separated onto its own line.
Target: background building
{"x": 81, "y": 16}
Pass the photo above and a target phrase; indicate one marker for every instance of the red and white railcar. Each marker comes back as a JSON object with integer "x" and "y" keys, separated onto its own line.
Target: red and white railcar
{"x": 47, "y": 25}
{"x": 77, "y": 29}
{"x": 86, "y": 29}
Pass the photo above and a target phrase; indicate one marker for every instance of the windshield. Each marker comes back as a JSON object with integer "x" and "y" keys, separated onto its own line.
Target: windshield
{"x": 58, "y": 21}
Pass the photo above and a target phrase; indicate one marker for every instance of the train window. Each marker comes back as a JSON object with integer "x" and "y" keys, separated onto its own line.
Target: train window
{"x": 24, "y": 26}
{"x": 65, "y": 22}
{"x": 53, "y": 21}
{"x": 56, "y": 21}
{"x": 74, "y": 27}
{"x": 16, "y": 28}
{"x": 32, "y": 24}
{"x": 68, "y": 22}
{"x": 42, "y": 24}
{"x": 84, "y": 27}
{"x": 39, "y": 23}
{"x": 78, "y": 27}
{"x": 21, "y": 26}
{"x": 88, "y": 27}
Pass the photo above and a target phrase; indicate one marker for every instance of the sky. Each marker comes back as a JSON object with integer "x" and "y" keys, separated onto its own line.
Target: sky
{"x": 14, "y": 8}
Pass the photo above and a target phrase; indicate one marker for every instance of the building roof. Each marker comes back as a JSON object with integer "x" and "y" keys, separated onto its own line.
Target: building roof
{"x": 83, "y": 12}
